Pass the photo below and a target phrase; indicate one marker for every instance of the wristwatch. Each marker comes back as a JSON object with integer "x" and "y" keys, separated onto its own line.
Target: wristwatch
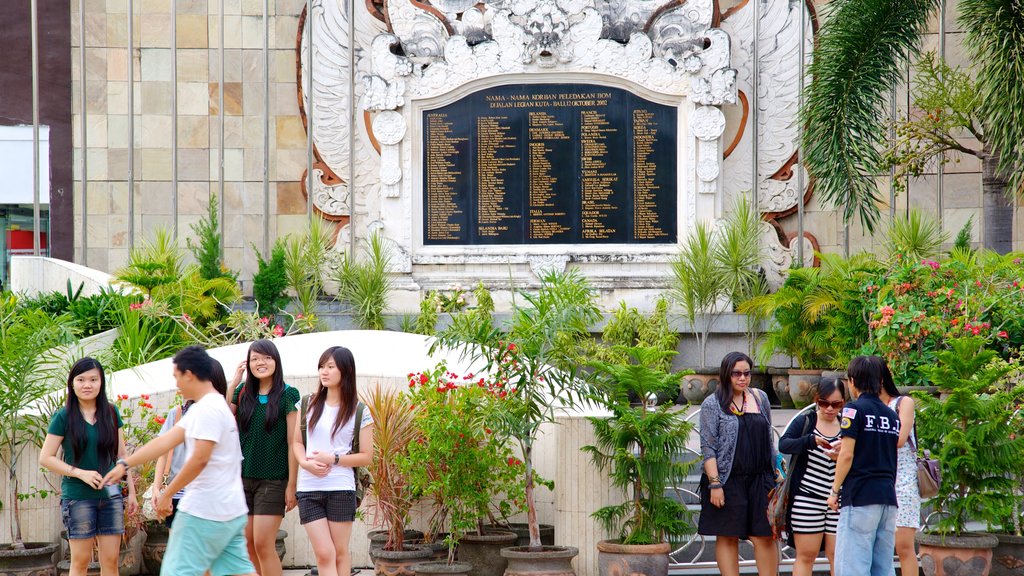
{"x": 122, "y": 462}
{"x": 337, "y": 457}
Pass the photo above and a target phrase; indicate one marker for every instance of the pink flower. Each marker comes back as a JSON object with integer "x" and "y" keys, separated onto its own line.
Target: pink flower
{"x": 299, "y": 316}
{"x": 135, "y": 306}
{"x": 1003, "y": 334}
{"x": 975, "y": 330}
{"x": 932, "y": 264}
{"x": 186, "y": 317}
{"x": 265, "y": 321}
{"x": 278, "y": 331}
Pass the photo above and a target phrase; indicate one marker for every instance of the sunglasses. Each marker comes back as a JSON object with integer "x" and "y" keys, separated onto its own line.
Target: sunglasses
{"x": 738, "y": 374}
{"x": 836, "y": 405}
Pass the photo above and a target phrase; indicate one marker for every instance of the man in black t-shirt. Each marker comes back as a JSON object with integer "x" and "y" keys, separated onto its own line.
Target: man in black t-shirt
{"x": 866, "y": 475}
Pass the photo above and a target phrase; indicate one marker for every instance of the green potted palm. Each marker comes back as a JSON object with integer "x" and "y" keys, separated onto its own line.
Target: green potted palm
{"x": 533, "y": 356}
{"x": 460, "y": 463}
{"x": 640, "y": 445}
{"x": 968, "y": 429}
{"x": 391, "y": 496}
{"x": 28, "y": 351}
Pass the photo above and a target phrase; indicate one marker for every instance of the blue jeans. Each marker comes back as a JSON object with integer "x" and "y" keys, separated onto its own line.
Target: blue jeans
{"x": 866, "y": 540}
{"x": 90, "y": 518}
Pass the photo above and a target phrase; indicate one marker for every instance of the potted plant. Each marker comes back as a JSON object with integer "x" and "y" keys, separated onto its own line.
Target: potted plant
{"x": 968, "y": 430}
{"x": 640, "y": 445}
{"x": 28, "y": 339}
{"x": 461, "y": 463}
{"x": 532, "y": 356}
{"x": 715, "y": 269}
{"x": 391, "y": 496}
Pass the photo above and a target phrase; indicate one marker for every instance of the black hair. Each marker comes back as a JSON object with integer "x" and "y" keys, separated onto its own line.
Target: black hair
{"x": 194, "y": 359}
{"x": 888, "y": 384}
{"x": 724, "y": 391}
{"x": 106, "y": 417}
{"x": 346, "y": 364}
{"x": 827, "y": 386}
{"x": 247, "y": 400}
{"x": 218, "y": 379}
{"x": 866, "y": 374}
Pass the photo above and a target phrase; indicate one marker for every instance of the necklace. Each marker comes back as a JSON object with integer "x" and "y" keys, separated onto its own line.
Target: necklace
{"x": 739, "y": 410}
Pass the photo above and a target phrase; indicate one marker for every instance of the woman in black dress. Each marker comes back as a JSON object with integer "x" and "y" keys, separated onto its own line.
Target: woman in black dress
{"x": 739, "y": 468}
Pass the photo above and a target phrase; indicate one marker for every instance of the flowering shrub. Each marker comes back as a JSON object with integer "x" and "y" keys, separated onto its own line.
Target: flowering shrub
{"x": 457, "y": 458}
{"x": 141, "y": 424}
{"x": 918, "y": 306}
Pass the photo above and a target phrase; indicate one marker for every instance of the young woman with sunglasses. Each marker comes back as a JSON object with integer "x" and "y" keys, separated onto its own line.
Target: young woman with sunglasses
{"x": 739, "y": 468}
{"x": 908, "y": 496}
{"x": 813, "y": 440}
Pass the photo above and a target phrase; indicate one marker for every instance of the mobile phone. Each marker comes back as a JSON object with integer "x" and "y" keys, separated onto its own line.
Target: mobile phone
{"x": 113, "y": 490}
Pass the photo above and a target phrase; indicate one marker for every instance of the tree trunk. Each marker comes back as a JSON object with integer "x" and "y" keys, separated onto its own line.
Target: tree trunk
{"x": 531, "y": 507}
{"x": 997, "y": 227}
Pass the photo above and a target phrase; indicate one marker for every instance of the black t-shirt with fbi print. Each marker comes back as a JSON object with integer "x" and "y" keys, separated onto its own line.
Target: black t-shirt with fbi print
{"x": 876, "y": 428}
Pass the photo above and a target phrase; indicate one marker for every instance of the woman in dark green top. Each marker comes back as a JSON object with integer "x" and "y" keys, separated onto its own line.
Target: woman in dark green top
{"x": 87, "y": 428}
{"x": 265, "y": 409}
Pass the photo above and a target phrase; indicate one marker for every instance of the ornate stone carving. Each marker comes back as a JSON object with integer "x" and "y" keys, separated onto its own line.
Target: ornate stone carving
{"x": 389, "y": 128}
{"x": 331, "y": 200}
{"x": 707, "y": 124}
{"x": 541, "y": 264}
{"x": 779, "y": 256}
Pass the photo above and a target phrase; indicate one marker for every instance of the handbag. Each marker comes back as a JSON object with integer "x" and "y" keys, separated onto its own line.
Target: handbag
{"x": 778, "y": 498}
{"x": 362, "y": 476}
{"x": 148, "y": 512}
{"x": 929, "y": 472}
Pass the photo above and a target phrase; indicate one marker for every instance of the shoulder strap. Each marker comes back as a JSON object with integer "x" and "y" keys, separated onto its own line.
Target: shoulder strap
{"x": 807, "y": 423}
{"x": 304, "y": 406}
{"x": 357, "y": 420}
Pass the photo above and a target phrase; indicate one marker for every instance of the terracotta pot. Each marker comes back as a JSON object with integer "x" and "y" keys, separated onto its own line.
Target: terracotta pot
{"x": 547, "y": 561}
{"x": 965, "y": 555}
{"x": 522, "y": 530}
{"x": 615, "y": 559}
{"x": 802, "y": 386}
{"x": 484, "y": 552}
{"x": 780, "y": 383}
{"x": 398, "y": 563}
{"x": 35, "y": 560}
{"x": 444, "y": 568}
{"x": 1008, "y": 556}
{"x": 379, "y": 537}
{"x": 697, "y": 387}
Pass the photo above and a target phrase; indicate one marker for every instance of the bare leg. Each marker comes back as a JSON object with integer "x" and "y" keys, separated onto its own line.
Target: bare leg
{"x": 81, "y": 555}
{"x": 727, "y": 555}
{"x": 766, "y": 555}
{"x": 110, "y": 548}
{"x": 319, "y": 534}
{"x": 807, "y": 546}
{"x": 341, "y": 534}
{"x": 905, "y": 550}
{"x": 265, "y": 542}
{"x": 250, "y": 544}
{"x": 830, "y": 552}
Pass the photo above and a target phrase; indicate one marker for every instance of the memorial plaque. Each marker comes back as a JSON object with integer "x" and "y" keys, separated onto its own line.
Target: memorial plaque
{"x": 549, "y": 164}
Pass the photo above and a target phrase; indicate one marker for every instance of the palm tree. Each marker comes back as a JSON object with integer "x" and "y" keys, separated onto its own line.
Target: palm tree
{"x": 862, "y": 48}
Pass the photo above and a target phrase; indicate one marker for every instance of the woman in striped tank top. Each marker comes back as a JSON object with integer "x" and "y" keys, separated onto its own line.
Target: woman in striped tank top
{"x": 813, "y": 440}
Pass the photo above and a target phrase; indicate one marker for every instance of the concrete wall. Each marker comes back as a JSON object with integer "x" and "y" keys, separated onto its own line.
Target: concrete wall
{"x": 33, "y": 275}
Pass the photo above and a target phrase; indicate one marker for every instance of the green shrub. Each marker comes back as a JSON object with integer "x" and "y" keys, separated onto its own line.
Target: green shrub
{"x": 364, "y": 285}
{"x": 270, "y": 283}
{"x": 208, "y": 252}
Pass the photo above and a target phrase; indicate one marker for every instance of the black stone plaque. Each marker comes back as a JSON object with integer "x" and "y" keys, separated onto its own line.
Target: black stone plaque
{"x": 549, "y": 164}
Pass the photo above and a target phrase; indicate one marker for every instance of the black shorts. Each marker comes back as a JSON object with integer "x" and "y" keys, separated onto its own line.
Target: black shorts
{"x": 745, "y": 512}
{"x": 265, "y": 497}
{"x": 334, "y": 505}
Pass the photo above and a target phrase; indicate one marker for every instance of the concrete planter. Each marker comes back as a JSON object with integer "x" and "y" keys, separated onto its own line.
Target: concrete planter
{"x": 35, "y": 560}
{"x": 443, "y": 568}
{"x": 548, "y": 561}
{"x": 1008, "y": 556}
{"x": 967, "y": 554}
{"x": 614, "y": 558}
{"x": 483, "y": 552}
{"x": 398, "y": 563}
{"x": 802, "y": 386}
{"x": 697, "y": 387}
{"x": 522, "y": 530}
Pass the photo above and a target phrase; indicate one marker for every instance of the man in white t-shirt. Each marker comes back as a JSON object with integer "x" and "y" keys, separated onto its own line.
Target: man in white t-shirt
{"x": 209, "y": 528}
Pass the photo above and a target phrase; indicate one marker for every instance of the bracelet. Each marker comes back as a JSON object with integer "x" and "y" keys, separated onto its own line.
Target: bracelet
{"x": 714, "y": 479}
{"x": 714, "y": 486}
{"x": 122, "y": 462}
{"x": 835, "y": 493}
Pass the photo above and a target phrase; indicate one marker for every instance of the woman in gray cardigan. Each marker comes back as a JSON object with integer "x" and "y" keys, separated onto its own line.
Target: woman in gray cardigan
{"x": 739, "y": 468}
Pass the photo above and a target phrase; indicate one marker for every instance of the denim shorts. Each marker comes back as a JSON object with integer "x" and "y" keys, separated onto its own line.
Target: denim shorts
{"x": 90, "y": 518}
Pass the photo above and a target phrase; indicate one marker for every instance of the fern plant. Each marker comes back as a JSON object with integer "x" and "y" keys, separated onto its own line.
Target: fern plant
{"x": 641, "y": 447}
{"x": 968, "y": 428}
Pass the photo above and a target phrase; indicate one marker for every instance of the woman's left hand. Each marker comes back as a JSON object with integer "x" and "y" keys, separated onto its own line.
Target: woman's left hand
{"x": 131, "y": 505}
{"x": 322, "y": 457}
{"x": 290, "y": 500}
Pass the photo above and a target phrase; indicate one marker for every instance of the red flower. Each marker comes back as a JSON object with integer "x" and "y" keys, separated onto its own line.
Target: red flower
{"x": 511, "y": 347}
{"x": 511, "y": 461}
{"x": 265, "y": 321}
{"x": 975, "y": 330}
{"x": 1003, "y": 334}
{"x": 144, "y": 396}
{"x": 278, "y": 331}
{"x": 186, "y": 317}
{"x": 159, "y": 420}
{"x": 135, "y": 306}
{"x": 487, "y": 430}
{"x": 954, "y": 321}
{"x": 423, "y": 378}
{"x": 299, "y": 316}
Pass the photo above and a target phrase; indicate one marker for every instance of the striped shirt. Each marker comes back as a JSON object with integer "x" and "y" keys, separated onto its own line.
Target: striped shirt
{"x": 821, "y": 470}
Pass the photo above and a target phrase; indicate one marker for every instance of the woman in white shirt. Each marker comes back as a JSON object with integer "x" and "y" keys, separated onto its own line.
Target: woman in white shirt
{"x": 326, "y": 481}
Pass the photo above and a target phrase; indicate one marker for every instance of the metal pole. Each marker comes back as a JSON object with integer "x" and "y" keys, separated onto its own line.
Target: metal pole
{"x": 800, "y": 133}
{"x": 266, "y": 128}
{"x": 353, "y": 123}
{"x": 84, "y": 131}
{"x": 756, "y": 71}
{"x": 35, "y": 130}
{"x": 174, "y": 118}
{"x": 131, "y": 127}
{"x": 940, "y": 168}
{"x": 907, "y": 208}
{"x": 892, "y": 169}
{"x": 223, "y": 115}
{"x": 309, "y": 109}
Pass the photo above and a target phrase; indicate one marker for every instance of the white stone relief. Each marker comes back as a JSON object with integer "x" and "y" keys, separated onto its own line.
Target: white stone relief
{"x": 389, "y": 128}
{"x": 331, "y": 200}
{"x": 541, "y": 264}
{"x": 707, "y": 124}
{"x": 779, "y": 257}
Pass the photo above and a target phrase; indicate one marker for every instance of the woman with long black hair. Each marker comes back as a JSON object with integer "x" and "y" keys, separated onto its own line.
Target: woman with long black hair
{"x": 739, "y": 468}
{"x": 908, "y": 495}
{"x": 87, "y": 428}
{"x": 327, "y": 481}
{"x": 265, "y": 410}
